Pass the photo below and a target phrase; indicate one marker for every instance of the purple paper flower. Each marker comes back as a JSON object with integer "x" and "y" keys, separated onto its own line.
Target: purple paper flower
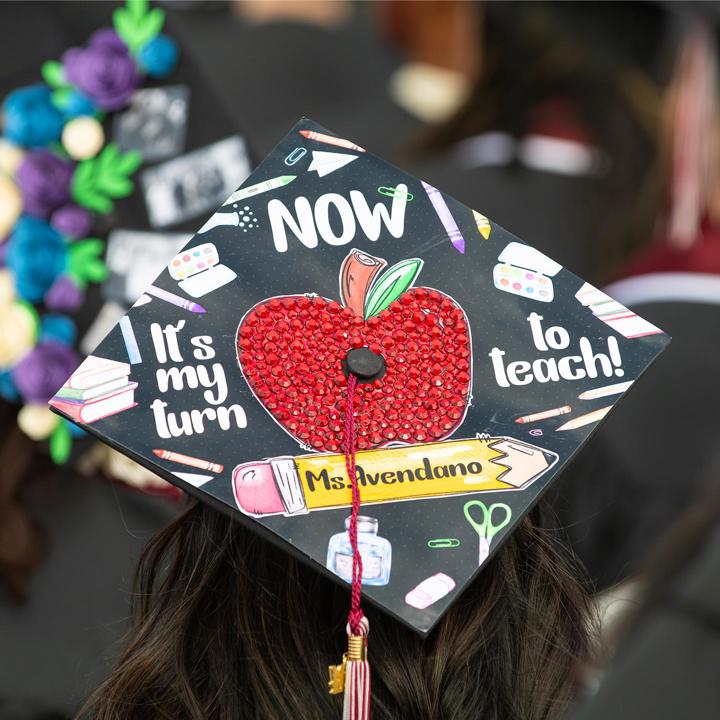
{"x": 104, "y": 71}
{"x": 41, "y": 373}
{"x": 44, "y": 181}
{"x": 109, "y": 38}
{"x": 72, "y": 220}
{"x": 37, "y": 255}
{"x": 64, "y": 295}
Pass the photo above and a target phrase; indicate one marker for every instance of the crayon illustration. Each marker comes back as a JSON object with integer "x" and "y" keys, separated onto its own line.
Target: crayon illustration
{"x": 188, "y": 460}
{"x": 483, "y": 224}
{"x": 445, "y": 216}
{"x": 614, "y": 314}
{"x": 261, "y": 187}
{"x": 330, "y": 140}
{"x": 324, "y": 163}
{"x": 173, "y": 299}
{"x": 294, "y": 485}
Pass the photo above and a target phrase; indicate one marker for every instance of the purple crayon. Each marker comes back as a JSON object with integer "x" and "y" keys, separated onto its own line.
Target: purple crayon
{"x": 446, "y": 218}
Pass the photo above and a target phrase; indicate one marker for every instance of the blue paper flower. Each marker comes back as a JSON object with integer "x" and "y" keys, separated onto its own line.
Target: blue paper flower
{"x": 57, "y": 327}
{"x": 77, "y": 104}
{"x": 30, "y": 118}
{"x": 7, "y": 387}
{"x": 75, "y": 431}
{"x": 159, "y": 57}
{"x": 37, "y": 255}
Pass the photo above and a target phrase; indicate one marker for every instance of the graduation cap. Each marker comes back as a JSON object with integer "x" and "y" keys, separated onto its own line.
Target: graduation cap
{"x": 379, "y": 379}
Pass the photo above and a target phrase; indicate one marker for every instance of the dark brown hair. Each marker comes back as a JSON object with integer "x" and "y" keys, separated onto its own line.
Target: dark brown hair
{"x": 226, "y": 626}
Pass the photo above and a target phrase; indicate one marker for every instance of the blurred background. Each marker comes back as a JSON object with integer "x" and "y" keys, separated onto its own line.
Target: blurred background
{"x": 589, "y": 129}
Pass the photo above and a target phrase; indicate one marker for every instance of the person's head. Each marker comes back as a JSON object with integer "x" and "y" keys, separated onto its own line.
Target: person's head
{"x": 227, "y": 626}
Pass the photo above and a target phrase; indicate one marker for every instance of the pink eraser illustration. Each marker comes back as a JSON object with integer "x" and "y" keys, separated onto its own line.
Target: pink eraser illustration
{"x": 255, "y": 489}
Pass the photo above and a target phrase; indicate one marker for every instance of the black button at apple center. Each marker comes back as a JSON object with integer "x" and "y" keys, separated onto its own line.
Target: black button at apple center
{"x": 366, "y": 365}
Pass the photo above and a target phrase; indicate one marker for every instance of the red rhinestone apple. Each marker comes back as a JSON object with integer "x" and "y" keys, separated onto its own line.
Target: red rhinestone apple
{"x": 291, "y": 351}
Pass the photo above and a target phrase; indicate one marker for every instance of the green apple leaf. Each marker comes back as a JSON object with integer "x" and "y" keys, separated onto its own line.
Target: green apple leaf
{"x": 391, "y": 285}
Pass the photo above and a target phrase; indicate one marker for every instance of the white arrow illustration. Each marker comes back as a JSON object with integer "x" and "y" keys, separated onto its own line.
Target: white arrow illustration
{"x": 326, "y": 162}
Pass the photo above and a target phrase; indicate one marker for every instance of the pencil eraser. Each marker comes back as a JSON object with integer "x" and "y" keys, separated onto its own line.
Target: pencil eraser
{"x": 255, "y": 489}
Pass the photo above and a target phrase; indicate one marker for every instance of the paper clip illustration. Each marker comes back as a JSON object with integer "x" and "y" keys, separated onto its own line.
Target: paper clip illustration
{"x": 444, "y": 543}
{"x": 536, "y": 432}
{"x": 485, "y": 529}
{"x": 395, "y": 193}
{"x": 296, "y": 156}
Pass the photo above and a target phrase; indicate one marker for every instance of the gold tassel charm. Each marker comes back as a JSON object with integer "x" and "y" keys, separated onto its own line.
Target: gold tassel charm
{"x": 357, "y": 645}
{"x": 336, "y": 677}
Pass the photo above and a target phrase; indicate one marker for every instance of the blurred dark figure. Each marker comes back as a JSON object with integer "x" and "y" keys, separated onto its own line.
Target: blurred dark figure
{"x": 667, "y": 664}
{"x": 270, "y": 63}
{"x": 558, "y": 136}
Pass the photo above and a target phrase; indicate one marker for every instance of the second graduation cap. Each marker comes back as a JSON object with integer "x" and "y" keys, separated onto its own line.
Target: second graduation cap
{"x": 332, "y": 296}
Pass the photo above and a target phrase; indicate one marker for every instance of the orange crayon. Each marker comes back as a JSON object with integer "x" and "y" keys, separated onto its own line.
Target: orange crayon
{"x": 330, "y": 140}
{"x": 187, "y": 460}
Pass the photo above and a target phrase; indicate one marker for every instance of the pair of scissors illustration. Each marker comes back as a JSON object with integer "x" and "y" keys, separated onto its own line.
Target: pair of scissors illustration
{"x": 486, "y": 529}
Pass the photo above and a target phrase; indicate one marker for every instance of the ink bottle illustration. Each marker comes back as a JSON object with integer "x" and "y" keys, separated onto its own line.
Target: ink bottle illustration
{"x": 376, "y": 553}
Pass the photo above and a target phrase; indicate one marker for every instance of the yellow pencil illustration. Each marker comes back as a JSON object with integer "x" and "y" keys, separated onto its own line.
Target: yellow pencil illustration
{"x": 581, "y": 420}
{"x": 292, "y": 485}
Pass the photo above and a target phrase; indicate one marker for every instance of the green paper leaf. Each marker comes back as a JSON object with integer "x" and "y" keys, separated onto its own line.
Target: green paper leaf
{"x": 53, "y": 74}
{"x": 85, "y": 264}
{"x": 128, "y": 163}
{"x": 391, "y": 285}
{"x": 60, "y": 443}
{"x": 60, "y": 97}
{"x": 101, "y": 179}
{"x": 137, "y": 8}
{"x": 137, "y": 25}
{"x": 115, "y": 186}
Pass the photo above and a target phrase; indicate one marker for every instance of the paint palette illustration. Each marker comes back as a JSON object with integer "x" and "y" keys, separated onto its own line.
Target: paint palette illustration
{"x": 199, "y": 271}
{"x": 525, "y": 271}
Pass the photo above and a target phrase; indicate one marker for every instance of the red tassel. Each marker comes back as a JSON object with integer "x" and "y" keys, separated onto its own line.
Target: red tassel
{"x": 353, "y": 675}
{"x": 357, "y": 674}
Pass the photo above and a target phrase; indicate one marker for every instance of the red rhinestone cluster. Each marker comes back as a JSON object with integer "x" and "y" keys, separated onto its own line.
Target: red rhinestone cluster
{"x": 291, "y": 351}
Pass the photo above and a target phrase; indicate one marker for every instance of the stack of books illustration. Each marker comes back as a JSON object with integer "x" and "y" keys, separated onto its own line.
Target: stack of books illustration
{"x": 97, "y": 389}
